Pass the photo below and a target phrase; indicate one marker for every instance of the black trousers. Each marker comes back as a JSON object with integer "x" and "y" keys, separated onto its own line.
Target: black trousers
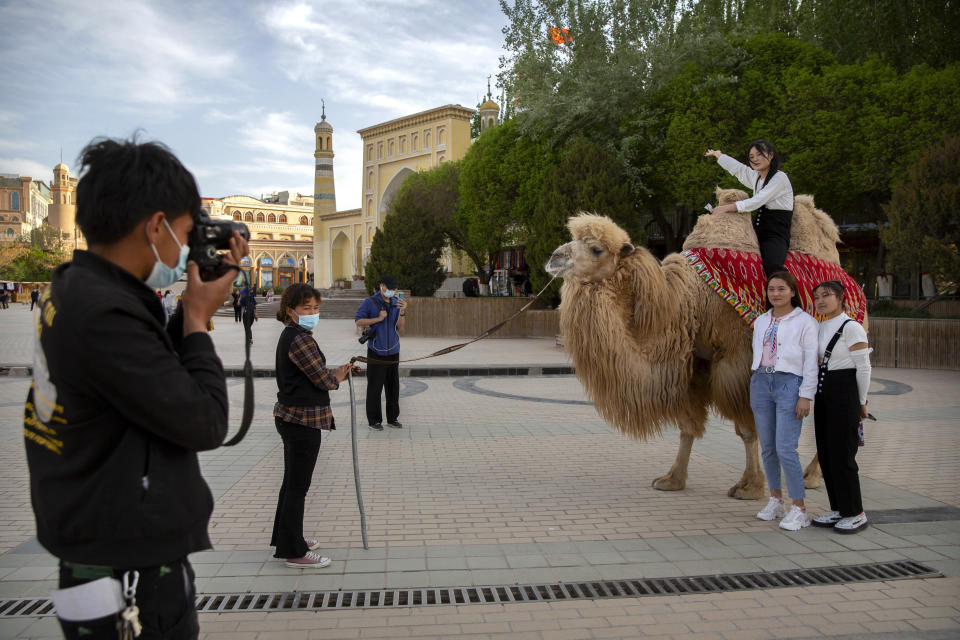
{"x": 836, "y": 412}
{"x": 165, "y": 595}
{"x": 301, "y": 445}
{"x": 383, "y": 378}
{"x": 237, "y": 312}
{"x": 773, "y": 235}
{"x": 248, "y": 324}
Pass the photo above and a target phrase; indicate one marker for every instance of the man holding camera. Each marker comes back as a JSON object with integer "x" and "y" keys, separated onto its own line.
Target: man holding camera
{"x": 380, "y": 317}
{"x": 120, "y": 405}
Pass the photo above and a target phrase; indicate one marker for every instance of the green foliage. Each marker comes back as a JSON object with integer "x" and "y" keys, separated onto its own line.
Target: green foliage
{"x": 33, "y": 257}
{"x": 411, "y": 241}
{"x": 500, "y": 181}
{"x": 924, "y": 226}
{"x": 842, "y": 88}
{"x": 587, "y": 178}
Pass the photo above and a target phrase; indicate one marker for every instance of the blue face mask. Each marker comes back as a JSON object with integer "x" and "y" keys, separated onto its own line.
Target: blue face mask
{"x": 309, "y": 322}
{"x": 389, "y": 293}
{"x": 163, "y": 276}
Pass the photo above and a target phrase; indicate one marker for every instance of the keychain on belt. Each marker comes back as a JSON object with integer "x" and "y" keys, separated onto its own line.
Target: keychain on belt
{"x": 130, "y": 616}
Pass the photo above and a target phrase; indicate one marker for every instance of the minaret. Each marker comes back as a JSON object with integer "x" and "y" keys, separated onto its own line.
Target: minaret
{"x": 62, "y": 212}
{"x": 324, "y": 198}
{"x": 324, "y": 194}
{"x": 489, "y": 111}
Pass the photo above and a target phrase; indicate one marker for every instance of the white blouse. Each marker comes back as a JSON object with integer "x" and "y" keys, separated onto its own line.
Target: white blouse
{"x": 796, "y": 347}
{"x": 840, "y": 357}
{"x": 777, "y": 194}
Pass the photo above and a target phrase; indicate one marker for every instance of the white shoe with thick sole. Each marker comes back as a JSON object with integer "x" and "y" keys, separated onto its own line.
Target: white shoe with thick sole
{"x": 852, "y": 524}
{"x": 772, "y": 511}
{"x": 795, "y": 520}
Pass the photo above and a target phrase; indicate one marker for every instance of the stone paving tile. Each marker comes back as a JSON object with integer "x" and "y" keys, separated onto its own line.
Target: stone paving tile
{"x": 528, "y": 492}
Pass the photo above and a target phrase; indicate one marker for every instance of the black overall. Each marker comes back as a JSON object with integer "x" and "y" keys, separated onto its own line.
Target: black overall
{"x": 772, "y": 227}
{"x": 773, "y": 236}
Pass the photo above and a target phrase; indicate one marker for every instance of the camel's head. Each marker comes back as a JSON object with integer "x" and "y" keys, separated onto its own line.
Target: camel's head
{"x": 597, "y": 247}
{"x": 729, "y": 196}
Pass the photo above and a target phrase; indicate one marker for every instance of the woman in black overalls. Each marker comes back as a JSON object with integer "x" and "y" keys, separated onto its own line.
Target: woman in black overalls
{"x": 772, "y": 200}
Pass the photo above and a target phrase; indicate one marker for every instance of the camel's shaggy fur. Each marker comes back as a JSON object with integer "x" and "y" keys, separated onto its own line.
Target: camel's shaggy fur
{"x": 641, "y": 370}
{"x": 812, "y": 231}
{"x": 653, "y": 345}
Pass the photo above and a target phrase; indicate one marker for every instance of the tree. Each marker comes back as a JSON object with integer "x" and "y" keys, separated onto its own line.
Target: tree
{"x": 33, "y": 257}
{"x": 409, "y": 245}
{"x": 500, "y": 181}
{"x": 923, "y": 214}
{"x": 587, "y": 178}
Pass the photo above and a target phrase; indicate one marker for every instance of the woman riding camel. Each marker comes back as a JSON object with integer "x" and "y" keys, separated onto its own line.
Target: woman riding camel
{"x": 772, "y": 200}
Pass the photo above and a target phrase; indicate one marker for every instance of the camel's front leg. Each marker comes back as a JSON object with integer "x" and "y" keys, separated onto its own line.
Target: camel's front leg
{"x": 812, "y": 474}
{"x": 752, "y": 484}
{"x": 676, "y": 479}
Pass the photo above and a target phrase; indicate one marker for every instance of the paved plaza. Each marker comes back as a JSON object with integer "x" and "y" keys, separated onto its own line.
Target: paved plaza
{"x": 502, "y": 480}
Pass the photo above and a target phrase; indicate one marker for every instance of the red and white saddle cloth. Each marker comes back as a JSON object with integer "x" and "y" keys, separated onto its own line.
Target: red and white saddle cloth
{"x": 738, "y": 278}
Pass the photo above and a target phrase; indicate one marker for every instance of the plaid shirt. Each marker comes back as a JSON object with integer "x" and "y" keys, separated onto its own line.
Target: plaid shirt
{"x": 305, "y": 353}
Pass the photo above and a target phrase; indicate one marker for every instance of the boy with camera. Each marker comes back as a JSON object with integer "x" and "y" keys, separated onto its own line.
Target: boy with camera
{"x": 121, "y": 404}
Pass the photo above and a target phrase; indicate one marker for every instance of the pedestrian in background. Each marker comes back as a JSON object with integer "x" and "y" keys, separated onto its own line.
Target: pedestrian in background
{"x": 237, "y": 309}
{"x": 841, "y": 403}
{"x": 34, "y": 297}
{"x": 169, "y": 303}
{"x": 248, "y": 302}
{"x": 302, "y": 412}
{"x": 781, "y": 388}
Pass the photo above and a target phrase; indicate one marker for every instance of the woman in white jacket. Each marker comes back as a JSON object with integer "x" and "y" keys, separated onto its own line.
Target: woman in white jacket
{"x": 841, "y": 403}
{"x": 783, "y": 384}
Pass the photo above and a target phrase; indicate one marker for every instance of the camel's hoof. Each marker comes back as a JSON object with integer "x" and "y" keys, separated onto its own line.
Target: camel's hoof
{"x": 668, "y": 483}
{"x": 746, "y": 493}
{"x": 811, "y": 481}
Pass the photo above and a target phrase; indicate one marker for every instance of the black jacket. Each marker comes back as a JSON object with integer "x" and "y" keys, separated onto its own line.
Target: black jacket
{"x": 116, "y": 413}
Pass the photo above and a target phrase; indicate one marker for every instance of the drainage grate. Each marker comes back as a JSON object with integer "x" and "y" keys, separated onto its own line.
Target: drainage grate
{"x": 589, "y": 590}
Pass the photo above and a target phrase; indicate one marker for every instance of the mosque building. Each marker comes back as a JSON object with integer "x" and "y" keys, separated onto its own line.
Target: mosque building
{"x": 293, "y": 237}
{"x": 298, "y": 238}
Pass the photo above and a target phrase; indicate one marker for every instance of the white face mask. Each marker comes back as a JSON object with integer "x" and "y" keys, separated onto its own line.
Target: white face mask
{"x": 163, "y": 276}
{"x": 389, "y": 293}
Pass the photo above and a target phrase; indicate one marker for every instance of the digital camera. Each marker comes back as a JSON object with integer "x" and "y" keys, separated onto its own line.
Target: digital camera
{"x": 366, "y": 334}
{"x": 207, "y": 238}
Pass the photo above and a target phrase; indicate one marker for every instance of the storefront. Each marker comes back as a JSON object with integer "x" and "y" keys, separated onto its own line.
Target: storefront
{"x": 266, "y": 273}
{"x": 287, "y": 272}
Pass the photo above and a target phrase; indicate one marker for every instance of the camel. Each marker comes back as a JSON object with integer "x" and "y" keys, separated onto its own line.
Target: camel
{"x": 653, "y": 345}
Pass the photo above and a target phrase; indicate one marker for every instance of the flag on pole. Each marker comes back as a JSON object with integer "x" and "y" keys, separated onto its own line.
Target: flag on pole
{"x": 560, "y": 36}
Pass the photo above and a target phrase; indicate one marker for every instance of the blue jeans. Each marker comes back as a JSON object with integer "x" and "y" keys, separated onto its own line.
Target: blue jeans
{"x": 773, "y": 398}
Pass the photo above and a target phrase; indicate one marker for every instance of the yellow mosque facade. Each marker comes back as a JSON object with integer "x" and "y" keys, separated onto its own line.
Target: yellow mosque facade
{"x": 392, "y": 151}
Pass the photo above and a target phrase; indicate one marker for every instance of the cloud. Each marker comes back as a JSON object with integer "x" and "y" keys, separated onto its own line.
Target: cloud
{"x": 138, "y": 51}
{"x": 26, "y": 167}
{"x": 403, "y": 58}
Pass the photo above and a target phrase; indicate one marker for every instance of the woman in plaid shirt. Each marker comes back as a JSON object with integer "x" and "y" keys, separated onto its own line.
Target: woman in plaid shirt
{"x": 301, "y": 413}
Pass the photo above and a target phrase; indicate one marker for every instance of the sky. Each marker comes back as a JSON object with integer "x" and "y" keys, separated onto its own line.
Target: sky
{"x": 234, "y": 87}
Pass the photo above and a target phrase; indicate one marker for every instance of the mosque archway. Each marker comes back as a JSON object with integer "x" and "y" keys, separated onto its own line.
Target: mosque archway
{"x": 393, "y": 188}
{"x": 341, "y": 258}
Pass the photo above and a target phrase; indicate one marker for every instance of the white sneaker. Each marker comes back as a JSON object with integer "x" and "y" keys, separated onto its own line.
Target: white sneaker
{"x": 797, "y": 519}
{"x": 852, "y": 524}
{"x": 826, "y": 519}
{"x": 774, "y": 509}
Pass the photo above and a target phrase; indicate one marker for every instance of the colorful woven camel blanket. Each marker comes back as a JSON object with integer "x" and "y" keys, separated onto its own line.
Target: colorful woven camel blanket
{"x": 738, "y": 278}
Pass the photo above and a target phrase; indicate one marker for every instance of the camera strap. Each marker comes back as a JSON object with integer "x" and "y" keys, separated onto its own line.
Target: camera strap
{"x": 247, "y": 417}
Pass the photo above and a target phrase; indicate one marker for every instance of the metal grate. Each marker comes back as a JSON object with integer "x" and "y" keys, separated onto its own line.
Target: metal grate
{"x": 589, "y": 590}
